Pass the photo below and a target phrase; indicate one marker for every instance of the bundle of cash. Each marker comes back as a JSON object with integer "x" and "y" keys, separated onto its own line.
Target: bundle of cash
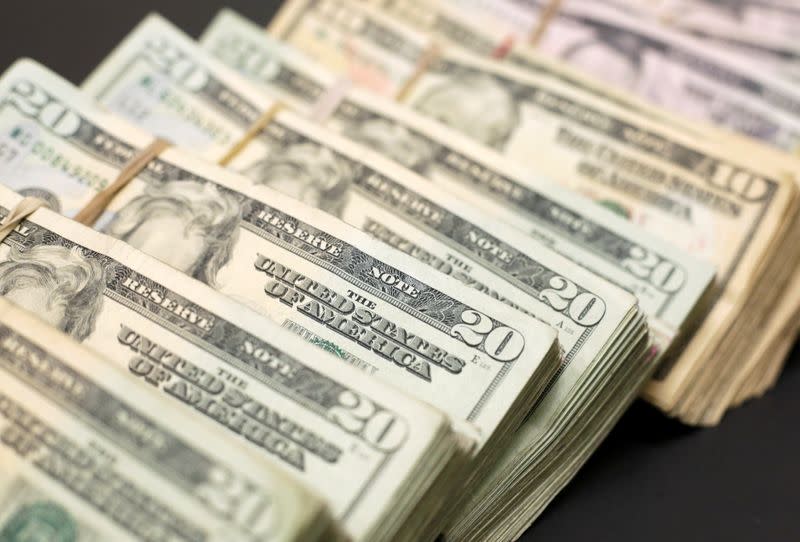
{"x": 87, "y": 456}
{"x": 380, "y": 459}
{"x": 761, "y": 32}
{"x": 600, "y": 329}
{"x": 408, "y": 270}
{"x": 634, "y": 54}
{"x": 709, "y": 71}
{"x": 723, "y": 198}
{"x": 319, "y": 278}
{"x": 704, "y": 80}
{"x": 676, "y": 72}
{"x": 672, "y": 293}
{"x": 717, "y": 81}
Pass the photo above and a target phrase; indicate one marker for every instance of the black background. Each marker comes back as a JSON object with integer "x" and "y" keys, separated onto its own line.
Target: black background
{"x": 653, "y": 478}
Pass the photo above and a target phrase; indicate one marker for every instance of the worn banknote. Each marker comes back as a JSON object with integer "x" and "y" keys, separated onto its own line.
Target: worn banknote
{"x": 353, "y": 440}
{"x": 87, "y": 456}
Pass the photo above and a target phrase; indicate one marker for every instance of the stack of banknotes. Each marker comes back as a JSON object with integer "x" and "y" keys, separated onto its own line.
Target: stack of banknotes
{"x": 697, "y": 178}
{"x": 379, "y": 272}
{"x": 88, "y": 456}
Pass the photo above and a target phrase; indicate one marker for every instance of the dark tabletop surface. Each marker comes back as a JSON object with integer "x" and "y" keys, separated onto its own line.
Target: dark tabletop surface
{"x": 652, "y": 479}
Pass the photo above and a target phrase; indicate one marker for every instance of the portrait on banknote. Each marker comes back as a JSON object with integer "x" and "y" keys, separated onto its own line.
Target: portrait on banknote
{"x": 393, "y": 141}
{"x": 609, "y": 53}
{"x": 58, "y": 284}
{"x": 191, "y": 225}
{"x": 475, "y": 104}
{"x": 307, "y": 172}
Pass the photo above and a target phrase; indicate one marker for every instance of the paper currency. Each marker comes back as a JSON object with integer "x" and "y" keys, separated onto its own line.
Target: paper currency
{"x": 294, "y": 264}
{"x": 668, "y": 68}
{"x": 482, "y": 32}
{"x": 676, "y": 72}
{"x": 755, "y": 31}
{"x": 460, "y": 27}
{"x": 480, "y": 26}
{"x": 565, "y": 222}
{"x": 345, "y": 39}
{"x": 703, "y": 196}
{"x": 732, "y": 53}
{"x": 87, "y": 456}
{"x": 464, "y": 369}
{"x": 357, "y": 443}
{"x": 770, "y": 18}
{"x": 598, "y": 330}
{"x": 392, "y": 204}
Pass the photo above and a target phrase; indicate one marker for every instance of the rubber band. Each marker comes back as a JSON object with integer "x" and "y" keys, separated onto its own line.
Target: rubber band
{"x": 503, "y": 48}
{"x": 549, "y": 13}
{"x": 428, "y": 57}
{"x": 20, "y": 212}
{"x": 256, "y": 128}
{"x": 330, "y": 100}
{"x": 92, "y": 211}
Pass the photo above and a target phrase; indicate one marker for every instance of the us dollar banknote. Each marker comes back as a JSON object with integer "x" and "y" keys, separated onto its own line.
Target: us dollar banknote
{"x": 669, "y": 283}
{"x": 680, "y": 184}
{"x": 354, "y": 441}
{"x": 676, "y": 72}
{"x": 87, "y": 456}
{"x": 758, "y": 32}
{"x": 486, "y": 27}
{"x": 472, "y": 356}
{"x": 668, "y": 68}
{"x": 766, "y": 18}
{"x": 489, "y": 29}
{"x": 482, "y": 27}
{"x": 600, "y": 332}
{"x": 388, "y": 202}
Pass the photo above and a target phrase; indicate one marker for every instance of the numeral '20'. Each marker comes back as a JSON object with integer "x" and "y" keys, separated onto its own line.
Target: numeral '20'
{"x": 501, "y": 343}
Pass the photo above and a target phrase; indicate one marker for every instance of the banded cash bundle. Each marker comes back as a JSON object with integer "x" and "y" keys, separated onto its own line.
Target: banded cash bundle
{"x": 721, "y": 198}
{"x": 600, "y": 329}
{"x": 703, "y": 81}
{"x": 477, "y": 359}
{"x": 699, "y": 58}
{"x": 706, "y": 72}
{"x": 373, "y": 454}
{"x": 671, "y": 293}
{"x": 676, "y": 72}
{"x": 87, "y": 456}
{"x": 634, "y": 55}
{"x": 763, "y": 33}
